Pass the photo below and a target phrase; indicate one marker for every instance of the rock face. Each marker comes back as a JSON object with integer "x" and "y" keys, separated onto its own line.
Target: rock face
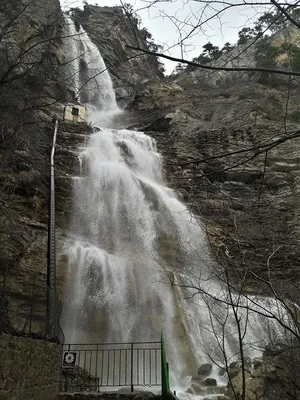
{"x": 28, "y": 43}
{"x": 213, "y": 143}
{"x": 30, "y": 96}
{"x": 24, "y": 228}
{"x": 272, "y": 377}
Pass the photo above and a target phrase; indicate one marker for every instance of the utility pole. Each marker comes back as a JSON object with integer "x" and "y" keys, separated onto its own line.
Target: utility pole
{"x": 51, "y": 317}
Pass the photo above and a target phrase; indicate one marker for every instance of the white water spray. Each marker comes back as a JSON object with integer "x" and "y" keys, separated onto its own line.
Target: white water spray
{"x": 71, "y": 57}
{"x": 87, "y": 75}
{"x": 139, "y": 261}
{"x": 138, "y": 257}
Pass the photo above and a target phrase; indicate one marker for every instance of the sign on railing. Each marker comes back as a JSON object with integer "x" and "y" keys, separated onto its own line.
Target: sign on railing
{"x": 94, "y": 367}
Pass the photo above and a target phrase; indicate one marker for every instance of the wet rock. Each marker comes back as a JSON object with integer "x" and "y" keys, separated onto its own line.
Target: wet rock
{"x": 260, "y": 375}
{"x": 205, "y": 369}
{"x": 214, "y": 390}
{"x": 234, "y": 364}
{"x": 124, "y": 390}
{"x": 196, "y": 378}
{"x": 210, "y": 382}
{"x": 257, "y": 364}
{"x": 197, "y": 389}
{"x": 200, "y": 390}
{"x": 233, "y": 372}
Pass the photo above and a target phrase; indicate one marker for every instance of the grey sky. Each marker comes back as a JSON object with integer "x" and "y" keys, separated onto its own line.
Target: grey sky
{"x": 165, "y": 19}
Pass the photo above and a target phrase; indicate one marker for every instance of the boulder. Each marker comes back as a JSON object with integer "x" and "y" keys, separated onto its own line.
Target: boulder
{"x": 205, "y": 369}
{"x": 210, "y": 382}
{"x": 234, "y": 364}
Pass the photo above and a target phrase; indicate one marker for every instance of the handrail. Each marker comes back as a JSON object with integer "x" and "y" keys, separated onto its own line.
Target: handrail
{"x": 108, "y": 343}
{"x": 166, "y": 393}
{"x": 133, "y": 364}
{"x": 106, "y": 365}
{"x": 51, "y": 317}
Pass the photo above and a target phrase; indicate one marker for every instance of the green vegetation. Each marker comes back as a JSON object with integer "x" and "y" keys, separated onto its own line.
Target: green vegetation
{"x": 266, "y": 54}
{"x": 210, "y": 53}
{"x": 268, "y": 22}
{"x": 266, "y": 57}
{"x": 292, "y": 53}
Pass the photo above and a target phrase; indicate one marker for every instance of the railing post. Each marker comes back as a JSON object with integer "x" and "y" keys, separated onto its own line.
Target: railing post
{"x": 163, "y": 378}
{"x": 165, "y": 384}
{"x": 131, "y": 367}
{"x": 51, "y": 318}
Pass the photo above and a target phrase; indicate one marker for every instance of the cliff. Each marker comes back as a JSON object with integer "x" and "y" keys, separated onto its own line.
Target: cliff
{"x": 211, "y": 139}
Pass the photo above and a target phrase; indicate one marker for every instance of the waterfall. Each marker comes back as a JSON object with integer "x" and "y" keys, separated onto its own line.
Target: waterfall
{"x": 131, "y": 239}
{"x": 138, "y": 261}
{"x": 72, "y": 57}
{"x": 86, "y": 73}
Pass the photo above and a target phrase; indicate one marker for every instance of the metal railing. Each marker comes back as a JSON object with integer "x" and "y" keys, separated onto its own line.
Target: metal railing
{"x": 51, "y": 317}
{"x": 98, "y": 367}
{"x": 166, "y": 393}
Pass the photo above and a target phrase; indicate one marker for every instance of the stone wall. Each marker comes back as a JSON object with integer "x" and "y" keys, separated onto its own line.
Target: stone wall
{"x": 29, "y": 369}
{"x": 122, "y": 394}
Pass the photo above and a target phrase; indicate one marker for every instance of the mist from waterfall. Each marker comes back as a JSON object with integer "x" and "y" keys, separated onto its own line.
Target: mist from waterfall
{"x": 139, "y": 261}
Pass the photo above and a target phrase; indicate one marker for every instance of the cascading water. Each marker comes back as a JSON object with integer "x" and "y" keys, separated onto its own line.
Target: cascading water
{"x": 139, "y": 261}
{"x": 72, "y": 57}
{"x": 86, "y": 74}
